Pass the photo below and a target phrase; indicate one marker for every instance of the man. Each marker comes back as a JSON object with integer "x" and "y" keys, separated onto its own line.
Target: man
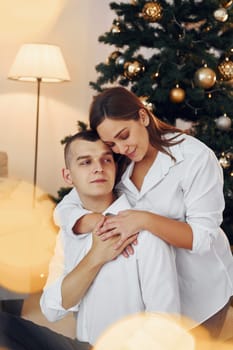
{"x": 93, "y": 279}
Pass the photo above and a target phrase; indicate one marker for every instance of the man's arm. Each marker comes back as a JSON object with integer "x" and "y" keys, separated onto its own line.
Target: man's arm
{"x": 67, "y": 283}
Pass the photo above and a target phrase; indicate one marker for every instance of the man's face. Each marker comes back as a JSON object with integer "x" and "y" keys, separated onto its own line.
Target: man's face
{"x": 92, "y": 168}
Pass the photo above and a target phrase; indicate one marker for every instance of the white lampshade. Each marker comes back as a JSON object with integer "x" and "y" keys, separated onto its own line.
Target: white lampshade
{"x": 39, "y": 61}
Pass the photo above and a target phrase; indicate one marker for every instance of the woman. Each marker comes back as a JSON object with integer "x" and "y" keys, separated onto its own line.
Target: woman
{"x": 175, "y": 184}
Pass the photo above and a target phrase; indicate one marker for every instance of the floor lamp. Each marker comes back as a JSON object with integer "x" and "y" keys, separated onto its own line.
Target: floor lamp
{"x": 39, "y": 63}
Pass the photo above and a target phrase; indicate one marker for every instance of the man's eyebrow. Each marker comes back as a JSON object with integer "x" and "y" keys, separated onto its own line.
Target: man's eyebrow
{"x": 88, "y": 156}
{"x": 83, "y": 157}
{"x": 108, "y": 153}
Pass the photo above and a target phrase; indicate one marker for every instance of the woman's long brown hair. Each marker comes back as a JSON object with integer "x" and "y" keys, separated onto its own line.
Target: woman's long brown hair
{"x": 118, "y": 103}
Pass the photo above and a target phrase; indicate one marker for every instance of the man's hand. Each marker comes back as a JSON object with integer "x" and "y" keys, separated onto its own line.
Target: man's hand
{"x": 124, "y": 225}
{"x": 105, "y": 250}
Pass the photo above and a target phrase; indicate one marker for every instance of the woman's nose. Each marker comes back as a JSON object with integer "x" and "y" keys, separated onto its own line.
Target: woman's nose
{"x": 120, "y": 148}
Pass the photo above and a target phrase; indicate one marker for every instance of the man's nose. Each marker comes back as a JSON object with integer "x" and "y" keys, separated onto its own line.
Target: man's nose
{"x": 98, "y": 167}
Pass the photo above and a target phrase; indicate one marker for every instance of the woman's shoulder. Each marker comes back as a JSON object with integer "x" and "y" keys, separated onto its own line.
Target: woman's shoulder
{"x": 190, "y": 145}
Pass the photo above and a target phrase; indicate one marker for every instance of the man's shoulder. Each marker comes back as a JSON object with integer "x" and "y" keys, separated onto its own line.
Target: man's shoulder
{"x": 121, "y": 203}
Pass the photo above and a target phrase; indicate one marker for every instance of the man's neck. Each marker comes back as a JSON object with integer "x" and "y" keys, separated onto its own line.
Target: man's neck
{"x": 97, "y": 204}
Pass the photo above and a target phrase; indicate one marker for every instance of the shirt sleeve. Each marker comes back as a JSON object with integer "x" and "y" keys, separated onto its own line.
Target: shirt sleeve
{"x": 204, "y": 199}
{"x": 51, "y": 302}
{"x": 51, "y": 299}
{"x": 157, "y": 273}
{"x": 68, "y": 211}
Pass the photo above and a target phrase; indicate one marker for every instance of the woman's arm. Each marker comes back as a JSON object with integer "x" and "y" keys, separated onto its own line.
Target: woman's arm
{"x": 202, "y": 187}
{"x": 129, "y": 222}
{"x": 71, "y": 217}
{"x": 87, "y": 223}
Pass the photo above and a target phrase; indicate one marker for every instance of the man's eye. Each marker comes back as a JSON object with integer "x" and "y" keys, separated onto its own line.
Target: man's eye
{"x": 108, "y": 160}
{"x": 85, "y": 162}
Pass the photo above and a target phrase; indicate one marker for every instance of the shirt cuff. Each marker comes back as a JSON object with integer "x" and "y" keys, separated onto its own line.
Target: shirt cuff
{"x": 51, "y": 301}
{"x": 202, "y": 238}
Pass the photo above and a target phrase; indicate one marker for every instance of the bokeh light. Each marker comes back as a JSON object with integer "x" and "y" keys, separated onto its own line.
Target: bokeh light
{"x": 27, "y": 236}
{"x": 154, "y": 331}
{"x": 146, "y": 331}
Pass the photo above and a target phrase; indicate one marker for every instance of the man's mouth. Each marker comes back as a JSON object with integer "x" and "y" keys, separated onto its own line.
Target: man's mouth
{"x": 98, "y": 181}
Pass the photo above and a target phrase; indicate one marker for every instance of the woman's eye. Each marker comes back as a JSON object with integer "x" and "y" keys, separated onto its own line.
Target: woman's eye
{"x": 124, "y": 136}
{"x": 110, "y": 144}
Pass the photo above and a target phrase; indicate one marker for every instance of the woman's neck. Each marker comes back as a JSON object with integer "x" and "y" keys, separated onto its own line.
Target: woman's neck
{"x": 141, "y": 168}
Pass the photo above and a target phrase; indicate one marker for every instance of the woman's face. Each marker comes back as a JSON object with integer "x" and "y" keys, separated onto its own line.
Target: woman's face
{"x": 128, "y": 137}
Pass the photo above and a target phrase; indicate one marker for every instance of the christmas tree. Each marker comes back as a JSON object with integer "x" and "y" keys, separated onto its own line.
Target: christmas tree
{"x": 177, "y": 56}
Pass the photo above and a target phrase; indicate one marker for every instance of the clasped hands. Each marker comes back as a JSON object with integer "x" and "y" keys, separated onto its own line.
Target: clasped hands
{"x": 125, "y": 225}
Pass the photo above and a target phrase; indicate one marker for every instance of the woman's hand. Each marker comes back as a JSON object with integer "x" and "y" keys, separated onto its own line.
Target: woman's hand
{"x": 126, "y": 224}
{"x": 105, "y": 250}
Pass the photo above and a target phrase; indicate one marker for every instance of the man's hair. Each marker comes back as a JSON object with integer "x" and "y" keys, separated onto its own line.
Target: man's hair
{"x": 92, "y": 136}
{"x": 86, "y": 135}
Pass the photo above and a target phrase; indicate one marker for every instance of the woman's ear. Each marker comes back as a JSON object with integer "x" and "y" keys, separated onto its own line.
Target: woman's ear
{"x": 67, "y": 176}
{"x": 144, "y": 117}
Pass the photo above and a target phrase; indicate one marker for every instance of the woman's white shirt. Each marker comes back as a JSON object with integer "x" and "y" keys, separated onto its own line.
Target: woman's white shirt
{"x": 191, "y": 190}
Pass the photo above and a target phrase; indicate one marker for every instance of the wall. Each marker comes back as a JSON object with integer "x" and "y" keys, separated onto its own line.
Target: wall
{"x": 74, "y": 26}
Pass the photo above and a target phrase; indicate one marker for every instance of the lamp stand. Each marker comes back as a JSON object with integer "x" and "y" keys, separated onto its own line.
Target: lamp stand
{"x": 36, "y": 140}
{"x": 40, "y": 63}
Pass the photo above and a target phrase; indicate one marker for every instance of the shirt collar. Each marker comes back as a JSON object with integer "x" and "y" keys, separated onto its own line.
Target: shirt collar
{"x": 158, "y": 170}
{"x": 120, "y": 203}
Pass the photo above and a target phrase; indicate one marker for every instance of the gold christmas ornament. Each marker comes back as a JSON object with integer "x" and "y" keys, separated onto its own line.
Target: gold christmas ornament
{"x": 154, "y": 76}
{"x": 221, "y": 14}
{"x": 132, "y": 69}
{"x": 177, "y": 95}
{"x": 207, "y": 29}
{"x": 116, "y": 27}
{"x": 223, "y": 122}
{"x": 224, "y": 162}
{"x": 226, "y": 69}
{"x": 146, "y": 103}
{"x": 113, "y": 56}
{"x": 229, "y": 155}
{"x": 226, "y": 3}
{"x": 205, "y": 78}
{"x": 152, "y": 11}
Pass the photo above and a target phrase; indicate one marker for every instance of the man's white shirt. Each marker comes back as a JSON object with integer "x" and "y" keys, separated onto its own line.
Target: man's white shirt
{"x": 146, "y": 281}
